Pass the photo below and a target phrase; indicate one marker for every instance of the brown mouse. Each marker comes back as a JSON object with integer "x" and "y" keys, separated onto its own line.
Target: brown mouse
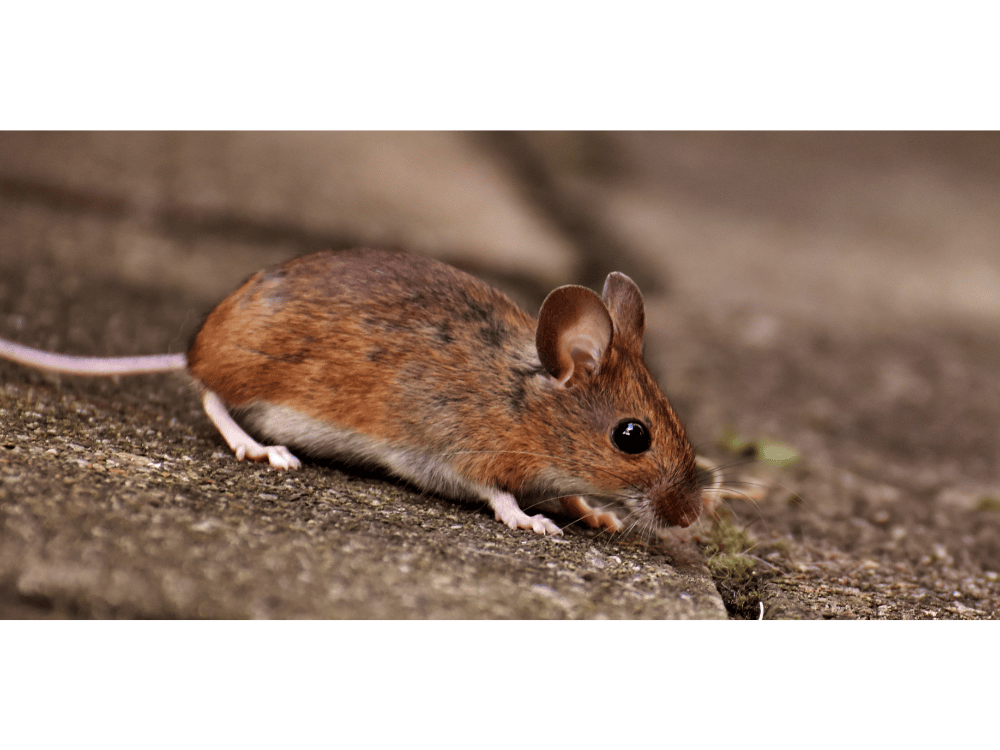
{"x": 411, "y": 365}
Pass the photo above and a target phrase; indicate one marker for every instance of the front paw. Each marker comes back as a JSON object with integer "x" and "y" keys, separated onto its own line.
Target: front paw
{"x": 596, "y": 518}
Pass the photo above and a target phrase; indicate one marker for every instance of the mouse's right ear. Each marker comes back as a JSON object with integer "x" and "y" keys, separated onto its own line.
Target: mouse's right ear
{"x": 574, "y": 330}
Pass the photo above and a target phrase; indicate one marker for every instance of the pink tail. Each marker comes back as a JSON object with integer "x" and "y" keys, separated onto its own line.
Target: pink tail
{"x": 72, "y": 365}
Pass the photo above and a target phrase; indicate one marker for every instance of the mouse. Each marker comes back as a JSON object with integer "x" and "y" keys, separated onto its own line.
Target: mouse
{"x": 405, "y": 363}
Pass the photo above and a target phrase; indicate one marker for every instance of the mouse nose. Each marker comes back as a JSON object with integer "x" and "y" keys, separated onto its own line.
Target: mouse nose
{"x": 678, "y": 506}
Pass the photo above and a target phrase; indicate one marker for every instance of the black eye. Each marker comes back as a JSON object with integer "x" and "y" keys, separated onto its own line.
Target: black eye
{"x": 631, "y": 436}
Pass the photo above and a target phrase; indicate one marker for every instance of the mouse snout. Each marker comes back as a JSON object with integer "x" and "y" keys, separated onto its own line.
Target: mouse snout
{"x": 677, "y": 505}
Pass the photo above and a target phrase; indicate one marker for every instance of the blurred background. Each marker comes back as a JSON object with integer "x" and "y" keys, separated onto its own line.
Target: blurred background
{"x": 838, "y": 226}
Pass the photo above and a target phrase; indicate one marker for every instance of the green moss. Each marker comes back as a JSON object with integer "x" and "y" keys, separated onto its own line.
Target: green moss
{"x": 730, "y": 565}
{"x": 765, "y": 450}
{"x": 726, "y": 537}
{"x": 988, "y": 503}
{"x": 777, "y": 454}
{"x": 732, "y": 570}
{"x": 732, "y": 441}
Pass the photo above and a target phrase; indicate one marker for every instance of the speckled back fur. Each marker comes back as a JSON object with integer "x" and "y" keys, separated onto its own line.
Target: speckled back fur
{"x": 411, "y": 358}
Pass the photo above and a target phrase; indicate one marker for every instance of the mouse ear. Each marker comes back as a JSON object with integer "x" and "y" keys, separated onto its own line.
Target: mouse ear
{"x": 624, "y": 301}
{"x": 574, "y": 330}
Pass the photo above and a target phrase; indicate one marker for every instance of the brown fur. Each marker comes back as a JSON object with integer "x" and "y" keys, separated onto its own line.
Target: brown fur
{"x": 420, "y": 356}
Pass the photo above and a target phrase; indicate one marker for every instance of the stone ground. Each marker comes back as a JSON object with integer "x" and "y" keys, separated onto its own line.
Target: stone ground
{"x": 833, "y": 299}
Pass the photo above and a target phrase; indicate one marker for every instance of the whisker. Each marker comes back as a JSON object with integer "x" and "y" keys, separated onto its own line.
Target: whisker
{"x": 716, "y": 489}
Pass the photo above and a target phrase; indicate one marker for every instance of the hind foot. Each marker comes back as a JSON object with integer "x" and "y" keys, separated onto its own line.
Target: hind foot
{"x": 242, "y": 445}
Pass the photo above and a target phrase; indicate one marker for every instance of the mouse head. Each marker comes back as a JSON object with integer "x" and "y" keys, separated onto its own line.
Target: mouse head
{"x": 629, "y": 441}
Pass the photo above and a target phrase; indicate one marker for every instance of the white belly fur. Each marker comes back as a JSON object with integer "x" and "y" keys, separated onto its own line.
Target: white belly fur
{"x": 314, "y": 437}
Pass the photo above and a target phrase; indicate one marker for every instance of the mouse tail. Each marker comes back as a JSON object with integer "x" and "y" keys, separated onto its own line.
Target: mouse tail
{"x": 72, "y": 365}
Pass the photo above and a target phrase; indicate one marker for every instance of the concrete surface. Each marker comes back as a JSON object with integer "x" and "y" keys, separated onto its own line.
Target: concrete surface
{"x": 838, "y": 294}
